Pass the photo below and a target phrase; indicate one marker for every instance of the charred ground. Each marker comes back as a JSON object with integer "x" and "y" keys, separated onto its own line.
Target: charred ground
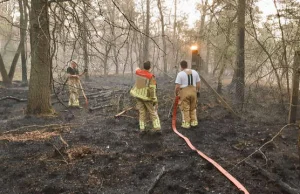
{"x": 90, "y": 151}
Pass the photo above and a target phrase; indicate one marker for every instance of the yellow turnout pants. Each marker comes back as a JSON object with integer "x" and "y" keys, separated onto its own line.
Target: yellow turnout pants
{"x": 144, "y": 107}
{"x": 74, "y": 91}
{"x": 188, "y": 106}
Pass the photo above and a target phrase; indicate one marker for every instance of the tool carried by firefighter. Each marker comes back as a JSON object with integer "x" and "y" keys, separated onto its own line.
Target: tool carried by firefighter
{"x": 83, "y": 93}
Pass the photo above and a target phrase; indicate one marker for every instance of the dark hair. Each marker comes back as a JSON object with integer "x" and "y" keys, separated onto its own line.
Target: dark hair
{"x": 183, "y": 64}
{"x": 147, "y": 65}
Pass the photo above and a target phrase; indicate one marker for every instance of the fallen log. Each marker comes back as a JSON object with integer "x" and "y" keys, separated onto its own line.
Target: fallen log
{"x": 273, "y": 177}
{"x": 13, "y": 98}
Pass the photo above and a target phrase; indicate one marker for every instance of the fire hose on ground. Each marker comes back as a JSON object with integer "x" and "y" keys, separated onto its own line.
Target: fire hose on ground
{"x": 220, "y": 168}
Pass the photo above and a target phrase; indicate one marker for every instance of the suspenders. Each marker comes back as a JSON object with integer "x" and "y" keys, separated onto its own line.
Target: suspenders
{"x": 190, "y": 79}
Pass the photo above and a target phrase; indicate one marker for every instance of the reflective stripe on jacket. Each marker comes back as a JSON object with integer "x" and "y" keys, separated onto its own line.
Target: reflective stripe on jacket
{"x": 145, "y": 86}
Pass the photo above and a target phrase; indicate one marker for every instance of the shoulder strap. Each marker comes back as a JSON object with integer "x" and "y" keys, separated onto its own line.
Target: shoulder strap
{"x": 190, "y": 77}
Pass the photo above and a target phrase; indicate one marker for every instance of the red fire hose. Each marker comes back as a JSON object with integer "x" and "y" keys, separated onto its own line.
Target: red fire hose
{"x": 220, "y": 168}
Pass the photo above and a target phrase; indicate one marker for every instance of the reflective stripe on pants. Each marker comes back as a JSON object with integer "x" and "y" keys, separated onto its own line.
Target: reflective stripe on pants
{"x": 144, "y": 107}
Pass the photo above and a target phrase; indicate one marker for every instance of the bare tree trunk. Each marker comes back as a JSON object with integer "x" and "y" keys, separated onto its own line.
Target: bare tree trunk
{"x": 295, "y": 89}
{"x": 23, "y": 29}
{"x": 163, "y": 36}
{"x": 207, "y": 58}
{"x": 8, "y": 40}
{"x": 3, "y": 71}
{"x": 131, "y": 57}
{"x": 114, "y": 40}
{"x": 219, "y": 88}
{"x": 133, "y": 42}
{"x": 21, "y": 47}
{"x": 107, "y": 51}
{"x": 201, "y": 32}
{"x": 39, "y": 101}
{"x": 127, "y": 56}
{"x": 286, "y": 65}
{"x": 14, "y": 63}
{"x": 175, "y": 46}
{"x": 85, "y": 42}
{"x": 240, "y": 59}
{"x": 147, "y": 32}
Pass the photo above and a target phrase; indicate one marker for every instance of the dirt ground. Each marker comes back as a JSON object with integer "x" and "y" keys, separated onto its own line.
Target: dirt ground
{"x": 90, "y": 151}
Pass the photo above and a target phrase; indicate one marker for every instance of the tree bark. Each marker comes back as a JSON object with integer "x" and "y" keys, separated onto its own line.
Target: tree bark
{"x": 107, "y": 51}
{"x": 207, "y": 57}
{"x": 202, "y": 34}
{"x": 14, "y": 62}
{"x": 295, "y": 89}
{"x": 286, "y": 65}
{"x": 147, "y": 32}
{"x": 240, "y": 58}
{"x": 85, "y": 43}
{"x": 23, "y": 29}
{"x": 163, "y": 36}
{"x": 175, "y": 40}
{"x": 39, "y": 101}
{"x": 3, "y": 72}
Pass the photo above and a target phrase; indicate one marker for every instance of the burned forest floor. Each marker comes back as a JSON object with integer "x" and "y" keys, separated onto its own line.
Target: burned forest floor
{"x": 89, "y": 150}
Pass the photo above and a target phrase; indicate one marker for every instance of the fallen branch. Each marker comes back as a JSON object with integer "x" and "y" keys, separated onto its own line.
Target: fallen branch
{"x": 64, "y": 142}
{"x": 128, "y": 116}
{"x": 273, "y": 177}
{"x": 124, "y": 111}
{"x": 155, "y": 66}
{"x": 158, "y": 177}
{"x": 259, "y": 149}
{"x": 64, "y": 159}
{"x": 99, "y": 107}
{"x": 13, "y": 98}
{"x": 218, "y": 96}
{"x": 40, "y": 126}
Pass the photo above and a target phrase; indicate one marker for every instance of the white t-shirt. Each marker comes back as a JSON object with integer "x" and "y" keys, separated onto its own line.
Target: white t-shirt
{"x": 183, "y": 80}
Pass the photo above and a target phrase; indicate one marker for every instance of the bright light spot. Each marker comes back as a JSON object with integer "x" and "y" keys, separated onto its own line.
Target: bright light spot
{"x": 193, "y": 48}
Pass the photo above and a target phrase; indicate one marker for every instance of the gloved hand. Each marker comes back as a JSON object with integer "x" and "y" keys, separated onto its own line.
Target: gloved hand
{"x": 198, "y": 94}
{"x": 85, "y": 70}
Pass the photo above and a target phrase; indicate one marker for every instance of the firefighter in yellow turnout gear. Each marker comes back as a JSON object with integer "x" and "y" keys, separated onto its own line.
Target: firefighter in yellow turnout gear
{"x": 187, "y": 87}
{"x": 144, "y": 91}
{"x": 73, "y": 83}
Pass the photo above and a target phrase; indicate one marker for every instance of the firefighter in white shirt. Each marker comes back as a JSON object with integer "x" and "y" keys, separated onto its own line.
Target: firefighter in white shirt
{"x": 188, "y": 87}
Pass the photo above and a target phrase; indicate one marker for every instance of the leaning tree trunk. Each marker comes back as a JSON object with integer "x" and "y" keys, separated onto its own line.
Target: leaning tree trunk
{"x": 240, "y": 58}
{"x": 14, "y": 63}
{"x": 5, "y": 78}
{"x": 40, "y": 82}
